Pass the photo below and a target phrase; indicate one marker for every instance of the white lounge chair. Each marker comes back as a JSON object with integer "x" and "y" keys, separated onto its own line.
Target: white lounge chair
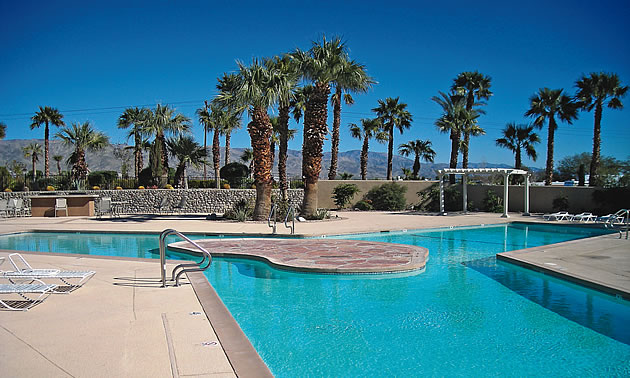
{"x": 24, "y": 272}
{"x": 583, "y": 217}
{"x": 61, "y": 204}
{"x": 560, "y": 215}
{"x": 25, "y": 302}
{"x": 104, "y": 207}
{"x": 4, "y": 208}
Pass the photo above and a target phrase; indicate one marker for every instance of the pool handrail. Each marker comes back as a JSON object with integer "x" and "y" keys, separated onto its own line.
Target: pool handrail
{"x": 290, "y": 211}
{"x": 192, "y": 267}
{"x": 272, "y": 212}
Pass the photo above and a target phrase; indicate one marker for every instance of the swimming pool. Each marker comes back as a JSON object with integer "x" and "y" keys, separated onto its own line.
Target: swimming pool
{"x": 466, "y": 314}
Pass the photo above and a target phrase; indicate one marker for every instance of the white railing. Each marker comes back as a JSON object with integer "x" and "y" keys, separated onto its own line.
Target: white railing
{"x": 186, "y": 267}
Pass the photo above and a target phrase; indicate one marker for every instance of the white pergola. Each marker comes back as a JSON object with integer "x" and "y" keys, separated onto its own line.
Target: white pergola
{"x": 506, "y": 172}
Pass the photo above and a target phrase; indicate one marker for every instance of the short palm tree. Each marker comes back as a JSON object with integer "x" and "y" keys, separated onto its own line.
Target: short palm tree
{"x": 258, "y": 88}
{"x": 473, "y": 86}
{"x": 47, "y": 116}
{"x": 135, "y": 118}
{"x": 393, "y": 115}
{"x": 83, "y": 137}
{"x": 219, "y": 118}
{"x": 3, "y": 130}
{"x": 545, "y": 106}
{"x": 58, "y": 159}
{"x": 188, "y": 152}
{"x": 225, "y": 84}
{"x": 518, "y": 137}
{"x": 163, "y": 120}
{"x": 370, "y": 128}
{"x": 421, "y": 149}
{"x": 205, "y": 121}
{"x": 351, "y": 78}
{"x": 595, "y": 91}
{"x": 33, "y": 151}
{"x": 247, "y": 157}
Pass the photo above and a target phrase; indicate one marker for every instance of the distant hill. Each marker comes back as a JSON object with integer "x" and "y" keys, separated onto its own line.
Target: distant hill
{"x": 349, "y": 161}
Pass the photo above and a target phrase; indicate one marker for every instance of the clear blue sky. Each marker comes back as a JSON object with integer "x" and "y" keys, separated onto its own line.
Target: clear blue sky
{"x": 82, "y": 55}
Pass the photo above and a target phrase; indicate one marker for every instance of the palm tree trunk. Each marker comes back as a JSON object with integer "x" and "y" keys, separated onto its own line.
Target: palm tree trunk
{"x": 465, "y": 150}
{"x": 550, "y": 136}
{"x": 164, "y": 179}
{"x": 454, "y": 153}
{"x": 390, "y": 152}
{"x": 34, "y": 171}
{"x": 315, "y": 131}
{"x": 138, "y": 152}
{"x": 518, "y": 163}
{"x": 46, "y": 146}
{"x": 260, "y": 130}
{"x": 185, "y": 177}
{"x": 597, "y": 140}
{"x": 205, "y": 148}
{"x": 216, "y": 158}
{"x": 283, "y": 120}
{"x": 227, "y": 147}
{"x": 272, "y": 149}
{"x": 58, "y": 168}
{"x": 334, "y": 151}
{"x": 416, "y": 166}
{"x": 364, "y": 158}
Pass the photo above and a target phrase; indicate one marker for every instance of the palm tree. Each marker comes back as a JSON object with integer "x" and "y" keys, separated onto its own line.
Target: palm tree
{"x": 369, "y": 128}
{"x": 160, "y": 122}
{"x": 3, "y": 130}
{"x": 206, "y": 121}
{"x": 393, "y": 115}
{"x": 47, "y": 116}
{"x": 421, "y": 149}
{"x": 544, "y": 107}
{"x": 454, "y": 120}
{"x": 187, "y": 152}
{"x": 219, "y": 118}
{"x": 351, "y": 78}
{"x": 258, "y": 88}
{"x": 82, "y": 136}
{"x": 594, "y": 92}
{"x": 473, "y": 86}
{"x": 135, "y": 118}
{"x": 33, "y": 151}
{"x": 248, "y": 158}
{"x": 226, "y": 84}
{"x": 519, "y": 137}
{"x": 57, "y": 159}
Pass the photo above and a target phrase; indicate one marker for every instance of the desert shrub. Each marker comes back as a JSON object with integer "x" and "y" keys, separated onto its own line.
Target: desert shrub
{"x": 241, "y": 211}
{"x": 343, "y": 194}
{"x": 364, "y": 205}
{"x": 234, "y": 173}
{"x": 492, "y": 203}
{"x": 390, "y": 196}
{"x": 296, "y": 184}
{"x": 204, "y": 184}
{"x": 102, "y": 178}
{"x": 321, "y": 214}
{"x": 560, "y": 203}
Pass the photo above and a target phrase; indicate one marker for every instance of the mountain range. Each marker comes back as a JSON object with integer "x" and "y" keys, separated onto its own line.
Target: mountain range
{"x": 348, "y": 161}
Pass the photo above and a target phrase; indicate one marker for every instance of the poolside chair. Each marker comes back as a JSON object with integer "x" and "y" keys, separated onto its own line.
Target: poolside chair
{"x": 61, "y": 204}
{"x": 560, "y": 215}
{"x": 162, "y": 206}
{"x": 181, "y": 205}
{"x": 4, "y": 208}
{"x": 25, "y": 302}
{"x": 104, "y": 207}
{"x": 12, "y": 207}
{"x": 583, "y": 217}
{"x": 25, "y": 272}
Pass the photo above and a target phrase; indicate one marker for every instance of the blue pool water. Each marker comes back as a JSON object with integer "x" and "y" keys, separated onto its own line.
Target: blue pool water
{"x": 466, "y": 314}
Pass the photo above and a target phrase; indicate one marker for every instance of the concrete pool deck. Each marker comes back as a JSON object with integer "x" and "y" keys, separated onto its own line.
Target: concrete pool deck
{"x": 122, "y": 324}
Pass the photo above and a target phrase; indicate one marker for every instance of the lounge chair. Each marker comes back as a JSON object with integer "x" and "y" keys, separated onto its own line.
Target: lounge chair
{"x": 583, "y": 217}
{"x": 162, "y": 206}
{"x": 21, "y": 290}
{"x": 104, "y": 207}
{"x": 62, "y": 205}
{"x": 610, "y": 218}
{"x": 181, "y": 205}
{"x": 4, "y": 208}
{"x": 560, "y": 215}
{"x": 24, "y": 272}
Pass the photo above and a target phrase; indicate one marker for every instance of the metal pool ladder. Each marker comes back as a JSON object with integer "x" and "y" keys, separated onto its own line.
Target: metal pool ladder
{"x": 291, "y": 212}
{"x": 624, "y": 215}
{"x": 272, "y": 213}
{"x": 186, "y": 267}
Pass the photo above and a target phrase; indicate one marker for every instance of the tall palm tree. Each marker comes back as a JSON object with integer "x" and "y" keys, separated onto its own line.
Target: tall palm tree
{"x": 454, "y": 120}
{"x": 518, "y": 137}
{"x": 258, "y": 88}
{"x": 370, "y": 128}
{"x": 595, "y": 91}
{"x": 163, "y": 120}
{"x": 421, "y": 149}
{"x": 545, "y": 106}
{"x": 47, "y": 116}
{"x": 188, "y": 152}
{"x": 83, "y": 137}
{"x": 318, "y": 66}
{"x": 351, "y": 78}
{"x": 393, "y": 115}
{"x": 220, "y": 118}
{"x": 135, "y": 118}
{"x": 205, "y": 121}
{"x": 226, "y": 84}
{"x": 473, "y": 86}
{"x": 33, "y": 151}
{"x": 3, "y": 130}
{"x": 58, "y": 159}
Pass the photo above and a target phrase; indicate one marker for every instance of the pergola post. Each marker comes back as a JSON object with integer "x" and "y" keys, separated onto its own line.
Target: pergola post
{"x": 506, "y": 177}
{"x": 526, "y": 195}
{"x": 465, "y": 193}
{"x": 442, "y": 195}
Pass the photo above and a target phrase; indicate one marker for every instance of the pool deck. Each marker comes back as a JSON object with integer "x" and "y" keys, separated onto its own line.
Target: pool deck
{"x": 122, "y": 323}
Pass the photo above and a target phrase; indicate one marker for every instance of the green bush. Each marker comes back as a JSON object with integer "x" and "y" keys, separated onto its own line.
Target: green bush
{"x": 296, "y": 184}
{"x": 343, "y": 194}
{"x": 104, "y": 179}
{"x": 430, "y": 198}
{"x": 241, "y": 211}
{"x": 145, "y": 178}
{"x": 234, "y": 173}
{"x": 492, "y": 203}
{"x": 364, "y": 205}
{"x": 390, "y": 196}
{"x": 560, "y": 203}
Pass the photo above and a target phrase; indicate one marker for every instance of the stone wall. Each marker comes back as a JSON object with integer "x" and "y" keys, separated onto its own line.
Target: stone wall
{"x": 147, "y": 201}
